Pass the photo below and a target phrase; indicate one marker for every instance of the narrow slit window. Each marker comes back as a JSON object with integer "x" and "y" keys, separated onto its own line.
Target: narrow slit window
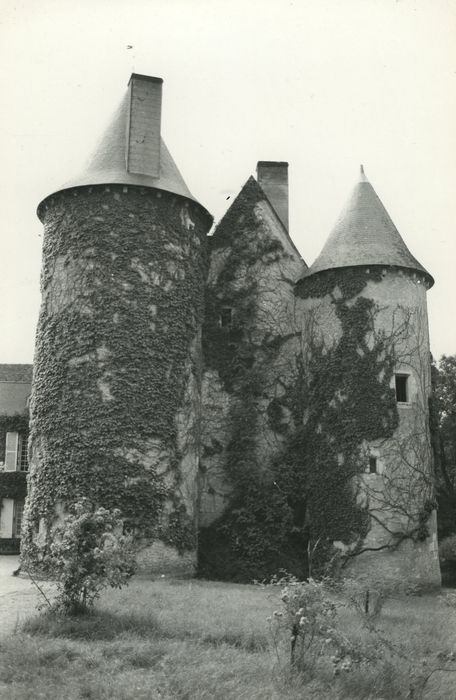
{"x": 401, "y": 388}
{"x": 226, "y": 317}
{"x": 372, "y": 465}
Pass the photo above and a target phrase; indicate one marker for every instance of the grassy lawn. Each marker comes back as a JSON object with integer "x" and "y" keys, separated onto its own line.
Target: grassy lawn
{"x": 193, "y": 639}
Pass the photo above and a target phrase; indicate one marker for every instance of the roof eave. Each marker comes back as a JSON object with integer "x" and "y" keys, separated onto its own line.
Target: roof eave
{"x": 121, "y": 182}
{"x": 417, "y": 270}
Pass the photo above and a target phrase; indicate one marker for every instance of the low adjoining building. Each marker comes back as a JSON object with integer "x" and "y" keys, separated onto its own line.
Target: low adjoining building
{"x": 15, "y": 388}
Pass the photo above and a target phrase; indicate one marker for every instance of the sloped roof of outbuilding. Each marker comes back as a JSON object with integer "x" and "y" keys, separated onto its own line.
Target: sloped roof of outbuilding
{"x": 365, "y": 234}
{"x": 16, "y": 373}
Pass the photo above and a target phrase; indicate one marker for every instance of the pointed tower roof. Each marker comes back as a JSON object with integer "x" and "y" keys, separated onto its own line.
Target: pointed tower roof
{"x": 131, "y": 150}
{"x": 364, "y": 234}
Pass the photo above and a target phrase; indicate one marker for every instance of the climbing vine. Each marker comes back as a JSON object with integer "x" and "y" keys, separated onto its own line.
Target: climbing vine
{"x": 13, "y": 485}
{"x": 252, "y": 537}
{"x": 348, "y": 402}
{"x": 230, "y": 349}
{"x": 122, "y": 279}
{"x": 339, "y": 398}
{"x": 14, "y": 423}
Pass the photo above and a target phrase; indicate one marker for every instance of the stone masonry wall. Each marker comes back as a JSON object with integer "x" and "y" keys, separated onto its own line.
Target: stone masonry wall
{"x": 259, "y": 291}
{"x": 116, "y": 396}
{"x": 401, "y": 496}
{"x": 400, "y": 542}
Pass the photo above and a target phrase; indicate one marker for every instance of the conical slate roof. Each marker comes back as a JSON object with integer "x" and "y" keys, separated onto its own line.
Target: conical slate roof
{"x": 364, "y": 234}
{"x": 108, "y": 166}
{"x": 111, "y": 163}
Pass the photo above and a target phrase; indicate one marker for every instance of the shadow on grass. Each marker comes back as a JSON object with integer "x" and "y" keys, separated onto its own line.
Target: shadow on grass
{"x": 94, "y": 625}
{"x": 251, "y": 643}
{"x": 101, "y": 625}
{"x": 146, "y": 655}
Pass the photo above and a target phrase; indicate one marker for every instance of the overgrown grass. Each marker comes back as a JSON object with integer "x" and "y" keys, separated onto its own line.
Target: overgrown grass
{"x": 199, "y": 640}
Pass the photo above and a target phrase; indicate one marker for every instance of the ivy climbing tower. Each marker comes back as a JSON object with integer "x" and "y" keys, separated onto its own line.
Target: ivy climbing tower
{"x": 363, "y": 303}
{"x": 116, "y": 390}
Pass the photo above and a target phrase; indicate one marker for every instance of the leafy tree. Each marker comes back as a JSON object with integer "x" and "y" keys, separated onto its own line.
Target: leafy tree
{"x": 444, "y": 418}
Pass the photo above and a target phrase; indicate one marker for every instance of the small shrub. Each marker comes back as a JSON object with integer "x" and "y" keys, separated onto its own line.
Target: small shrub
{"x": 89, "y": 553}
{"x": 365, "y": 596}
{"x": 318, "y": 623}
{"x": 310, "y": 619}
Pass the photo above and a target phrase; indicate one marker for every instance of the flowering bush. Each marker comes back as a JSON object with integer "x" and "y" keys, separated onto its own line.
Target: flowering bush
{"x": 314, "y": 623}
{"x": 89, "y": 553}
{"x": 310, "y": 618}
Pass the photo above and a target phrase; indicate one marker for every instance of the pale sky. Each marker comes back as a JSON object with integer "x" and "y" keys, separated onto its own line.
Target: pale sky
{"x": 323, "y": 84}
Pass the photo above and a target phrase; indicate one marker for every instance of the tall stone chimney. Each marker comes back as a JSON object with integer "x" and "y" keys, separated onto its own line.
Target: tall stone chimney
{"x": 272, "y": 177}
{"x": 143, "y": 127}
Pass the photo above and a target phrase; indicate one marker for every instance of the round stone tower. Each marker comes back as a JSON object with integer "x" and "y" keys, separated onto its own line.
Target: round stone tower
{"x": 115, "y": 405}
{"x": 363, "y": 305}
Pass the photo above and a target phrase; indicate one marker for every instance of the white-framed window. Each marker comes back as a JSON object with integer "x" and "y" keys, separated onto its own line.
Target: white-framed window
{"x": 16, "y": 458}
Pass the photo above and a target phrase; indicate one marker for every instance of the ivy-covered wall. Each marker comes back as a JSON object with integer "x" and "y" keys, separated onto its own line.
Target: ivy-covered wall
{"x": 369, "y": 323}
{"x": 247, "y": 363}
{"x": 116, "y": 395}
{"x": 296, "y": 384}
{"x": 13, "y": 485}
{"x": 304, "y": 487}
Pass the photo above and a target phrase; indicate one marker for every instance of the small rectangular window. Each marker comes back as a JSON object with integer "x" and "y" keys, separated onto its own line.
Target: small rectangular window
{"x": 372, "y": 465}
{"x": 401, "y": 388}
{"x": 226, "y": 317}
